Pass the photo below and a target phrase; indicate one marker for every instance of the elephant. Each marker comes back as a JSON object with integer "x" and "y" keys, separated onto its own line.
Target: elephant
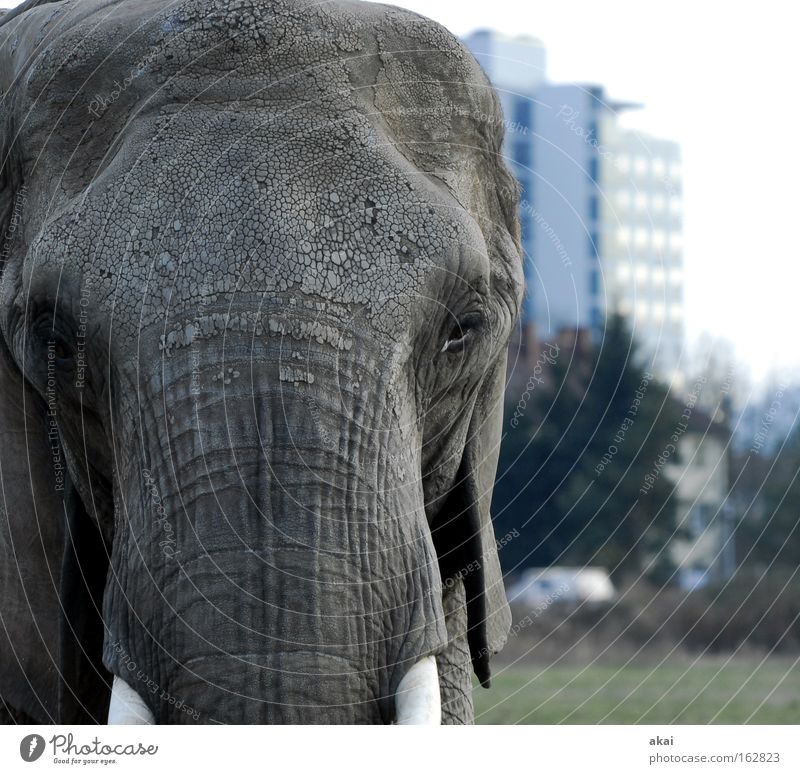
{"x": 260, "y": 268}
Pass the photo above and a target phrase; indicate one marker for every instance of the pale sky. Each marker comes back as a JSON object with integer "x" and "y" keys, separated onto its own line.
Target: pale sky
{"x": 722, "y": 80}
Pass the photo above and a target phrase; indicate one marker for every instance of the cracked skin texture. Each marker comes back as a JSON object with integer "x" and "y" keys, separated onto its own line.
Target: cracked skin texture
{"x": 262, "y": 221}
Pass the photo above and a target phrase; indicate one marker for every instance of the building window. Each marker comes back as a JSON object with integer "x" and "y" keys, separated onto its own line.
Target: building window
{"x": 594, "y": 207}
{"x": 594, "y": 169}
{"x": 700, "y": 518}
{"x": 523, "y": 115}
{"x": 594, "y": 282}
{"x": 521, "y": 152}
{"x": 594, "y": 245}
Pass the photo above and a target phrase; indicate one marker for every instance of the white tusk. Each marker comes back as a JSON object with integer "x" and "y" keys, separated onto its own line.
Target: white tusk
{"x": 127, "y": 707}
{"x": 418, "y": 701}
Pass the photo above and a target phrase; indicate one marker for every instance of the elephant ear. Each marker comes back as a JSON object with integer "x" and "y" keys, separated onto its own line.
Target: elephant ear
{"x": 52, "y": 557}
{"x": 52, "y": 570}
{"x": 463, "y": 532}
{"x": 31, "y": 553}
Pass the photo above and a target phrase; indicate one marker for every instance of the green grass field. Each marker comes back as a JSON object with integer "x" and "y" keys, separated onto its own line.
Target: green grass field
{"x": 709, "y": 691}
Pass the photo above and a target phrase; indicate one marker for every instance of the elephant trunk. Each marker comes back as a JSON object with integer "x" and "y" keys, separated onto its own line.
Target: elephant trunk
{"x": 265, "y": 570}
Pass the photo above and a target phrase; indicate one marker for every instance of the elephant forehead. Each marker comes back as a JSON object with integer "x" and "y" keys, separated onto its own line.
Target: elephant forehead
{"x": 220, "y": 146}
{"x": 98, "y": 62}
{"x": 203, "y": 206}
{"x": 93, "y": 68}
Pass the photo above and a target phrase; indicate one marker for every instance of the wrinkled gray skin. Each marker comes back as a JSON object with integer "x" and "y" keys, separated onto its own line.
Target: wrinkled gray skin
{"x": 263, "y": 285}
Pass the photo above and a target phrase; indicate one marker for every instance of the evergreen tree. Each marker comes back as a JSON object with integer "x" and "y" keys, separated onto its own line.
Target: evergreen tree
{"x": 769, "y": 533}
{"x": 572, "y": 467}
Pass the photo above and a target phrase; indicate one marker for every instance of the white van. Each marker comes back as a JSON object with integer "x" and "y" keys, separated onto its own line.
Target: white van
{"x": 543, "y": 586}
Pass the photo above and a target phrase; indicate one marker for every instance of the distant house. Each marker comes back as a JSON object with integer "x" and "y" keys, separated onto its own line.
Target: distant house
{"x": 702, "y": 549}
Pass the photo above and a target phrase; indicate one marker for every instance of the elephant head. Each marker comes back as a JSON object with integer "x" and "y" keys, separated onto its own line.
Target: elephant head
{"x": 259, "y": 272}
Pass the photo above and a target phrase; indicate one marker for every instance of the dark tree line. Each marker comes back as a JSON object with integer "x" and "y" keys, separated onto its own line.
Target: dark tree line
{"x": 574, "y": 459}
{"x": 768, "y": 500}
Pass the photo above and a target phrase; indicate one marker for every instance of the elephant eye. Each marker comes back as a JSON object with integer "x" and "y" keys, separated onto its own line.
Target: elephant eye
{"x": 61, "y": 350}
{"x": 58, "y": 348}
{"x": 462, "y": 332}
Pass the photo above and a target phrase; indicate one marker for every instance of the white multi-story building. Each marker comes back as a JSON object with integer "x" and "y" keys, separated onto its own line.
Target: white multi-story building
{"x": 640, "y": 227}
{"x": 601, "y": 206}
{"x": 703, "y": 550}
